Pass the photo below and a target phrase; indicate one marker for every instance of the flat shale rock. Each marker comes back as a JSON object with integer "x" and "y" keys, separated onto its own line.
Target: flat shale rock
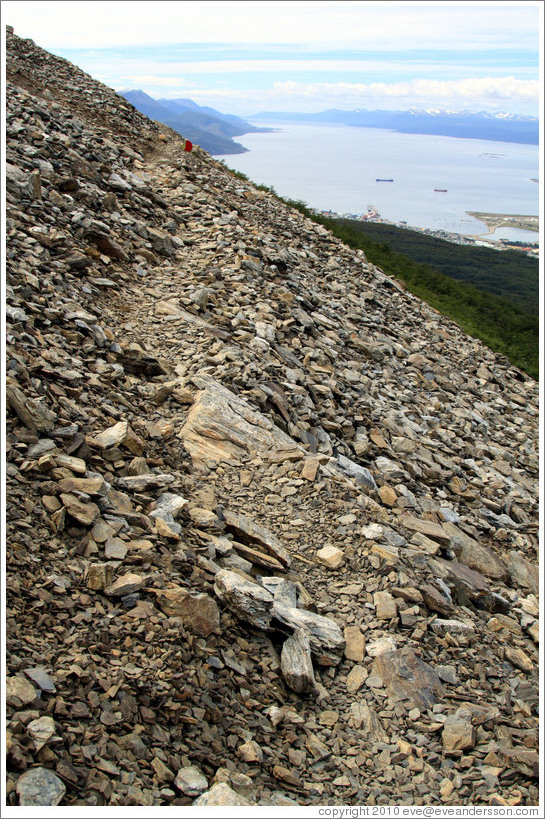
{"x": 247, "y": 600}
{"x": 408, "y": 678}
{"x": 330, "y": 556}
{"x": 20, "y": 691}
{"x": 326, "y": 639}
{"x": 191, "y": 781}
{"x": 523, "y": 571}
{"x": 296, "y": 663}
{"x": 475, "y": 555}
{"x": 221, "y": 426}
{"x": 125, "y": 584}
{"x": 251, "y": 533}
{"x": 458, "y": 736}
{"x": 34, "y": 414}
{"x": 199, "y": 613}
{"x": 355, "y": 643}
{"x": 524, "y": 760}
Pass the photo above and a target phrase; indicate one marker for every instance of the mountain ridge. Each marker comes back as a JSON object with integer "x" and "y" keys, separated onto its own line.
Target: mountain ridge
{"x": 207, "y": 127}
{"x": 271, "y": 520}
{"x": 463, "y": 124}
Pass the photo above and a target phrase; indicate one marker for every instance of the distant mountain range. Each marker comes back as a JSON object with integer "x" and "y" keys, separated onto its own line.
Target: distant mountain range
{"x": 206, "y": 127}
{"x": 464, "y": 124}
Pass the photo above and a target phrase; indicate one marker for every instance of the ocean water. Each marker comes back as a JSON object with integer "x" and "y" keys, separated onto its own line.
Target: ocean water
{"x": 335, "y": 167}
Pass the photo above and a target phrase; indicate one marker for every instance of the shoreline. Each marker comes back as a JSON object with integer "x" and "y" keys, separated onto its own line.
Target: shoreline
{"x": 493, "y": 221}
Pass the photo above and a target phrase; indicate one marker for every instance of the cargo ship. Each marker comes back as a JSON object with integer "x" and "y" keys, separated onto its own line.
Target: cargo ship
{"x": 440, "y": 190}
{"x": 384, "y": 180}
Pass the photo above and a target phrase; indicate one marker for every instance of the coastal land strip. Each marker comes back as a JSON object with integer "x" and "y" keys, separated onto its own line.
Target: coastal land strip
{"x": 499, "y": 220}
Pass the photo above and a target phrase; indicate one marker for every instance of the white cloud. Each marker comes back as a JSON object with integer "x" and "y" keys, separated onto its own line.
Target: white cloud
{"x": 105, "y": 23}
{"x": 153, "y": 79}
{"x": 477, "y": 93}
{"x": 505, "y": 88}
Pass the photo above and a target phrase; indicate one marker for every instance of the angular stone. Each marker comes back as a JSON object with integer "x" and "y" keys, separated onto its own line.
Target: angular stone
{"x": 250, "y": 752}
{"x": 385, "y": 604}
{"x": 408, "y": 678}
{"x": 365, "y": 719}
{"x": 143, "y": 483}
{"x": 310, "y": 468}
{"x": 115, "y": 549}
{"x": 523, "y": 572}
{"x": 380, "y": 646}
{"x": 441, "y": 627}
{"x": 248, "y": 532}
{"x": 222, "y": 426}
{"x": 296, "y": 663}
{"x": 426, "y": 544}
{"x": 126, "y": 584}
{"x": 20, "y": 691}
{"x": 435, "y": 601}
{"x": 42, "y": 730}
{"x": 387, "y": 495}
{"x": 469, "y": 578}
{"x": 76, "y": 465}
{"x": 42, "y": 679}
{"x": 523, "y": 760}
{"x": 34, "y": 414}
{"x": 326, "y": 639}
{"x": 458, "y": 736}
{"x": 221, "y": 795}
{"x": 475, "y": 555}
{"x": 191, "y": 781}
{"x": 99, "y": 575}
{"x": 119, "y": 434}
{"x": 40, "y": 787}
{"x": 355, "y": 679}
{"x": 199, "y": 612}
{"x": 247, "y": 600}
{"x": 359, "y": 473}
{"x": 355, "y": 644}
{"x": 90, "y": 486}
{"x": 85, "y": 513}
{"x": 330, "y": 556}
{"x": 430, "y": 529}
{"x": 519, "y": 659}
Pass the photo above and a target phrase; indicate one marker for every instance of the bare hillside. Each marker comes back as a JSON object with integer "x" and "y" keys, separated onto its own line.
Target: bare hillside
{"x": 271, "y": 520}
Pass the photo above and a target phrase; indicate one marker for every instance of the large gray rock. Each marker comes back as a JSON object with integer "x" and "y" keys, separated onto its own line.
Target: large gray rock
{"x": 249, "y": 601}
{"x": 40, "y": 787}
{"x": 296, "y": 663}
{"x": 326, "y": 638}
{"x": 221, "y": 795}
{"x": 221, "y": 426}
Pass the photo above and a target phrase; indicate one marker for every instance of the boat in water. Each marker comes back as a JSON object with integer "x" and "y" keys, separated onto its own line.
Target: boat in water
{"x": 384, "y": 180}
{"x": 440, "y": 190}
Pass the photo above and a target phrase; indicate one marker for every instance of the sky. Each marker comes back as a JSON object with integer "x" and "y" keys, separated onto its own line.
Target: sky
{"x": 248, "y": 56}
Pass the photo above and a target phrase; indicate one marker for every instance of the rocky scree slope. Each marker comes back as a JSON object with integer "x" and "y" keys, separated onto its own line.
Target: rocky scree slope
{"x": 271, "y": 520}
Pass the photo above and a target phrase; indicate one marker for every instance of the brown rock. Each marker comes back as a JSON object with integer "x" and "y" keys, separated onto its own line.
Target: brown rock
{"x": 85, "y": 513}
{"x": 458, "y": 736}
{"x": 407, "y": 677}
{"x": 387, "y": 495}
{"x": 330, "y": 556}
{"x": 198, "y": 612}
{"x": 355, "y": 644}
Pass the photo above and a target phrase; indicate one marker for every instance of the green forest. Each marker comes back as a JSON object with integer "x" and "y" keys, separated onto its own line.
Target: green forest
{"x": 507, "y": 273}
